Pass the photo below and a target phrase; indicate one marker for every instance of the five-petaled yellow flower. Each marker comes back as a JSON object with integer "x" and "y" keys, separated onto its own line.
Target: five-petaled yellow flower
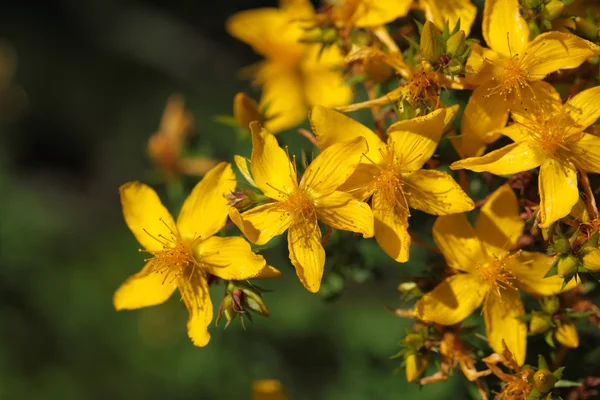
{"x": 184, "y": 254}
{"x": 491, "y": 274}
{"x": 393, "y": 173}
{"x": 552, "y": 139}
{"x": 509, "y": 76}
{"x": 294, "y": 75}
{"x": 297, "y": 207}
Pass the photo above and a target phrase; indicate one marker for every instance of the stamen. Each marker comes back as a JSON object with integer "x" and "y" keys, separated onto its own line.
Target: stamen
{"x": 495, "y": 274}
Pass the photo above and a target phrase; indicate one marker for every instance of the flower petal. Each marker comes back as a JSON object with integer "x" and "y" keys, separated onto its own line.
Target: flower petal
{"x": 145, "y": 215}
{"x": 583, "y": 107}
{"x": 552, "y": 51}
{"x": 391, "y": 226}
{"x": 458, "y": 242}
{"x": 144, "y": 289}
{"x": 516, "y": 157}
{"x": 343, "y": 211}
{"x": 539, "y": 97}
{"x": 451, "y": 301}
{"x": 229, "y": 258}
{"x": 270, "y": 165}
{"x": 566, "y": 334}
{"x": 333, "y": 167}
{"x": 195, "y": 295}
{"x": 414, "y": 141}
{"x": 325, "y": 86}
{"x": 441, "y": 11}
{"x": 306, "y": 253}
{"x": 504, "y": 30}
{"x": 359, "y": 184}
{"x": 436, "y": 192}
{"x": 501, "y": 313}
{"x": 331, "y": 127}
{"x": 260, "y": 224}
{"x": 205, "y": 210}
{"x": 380, "y": 12}
{"x": 530, "y": 268}
{"x": 499, "y": 225}
{"x": 586, "y": 152}
{"x": 557, "y": 184}
{"x": 243, "y": 165}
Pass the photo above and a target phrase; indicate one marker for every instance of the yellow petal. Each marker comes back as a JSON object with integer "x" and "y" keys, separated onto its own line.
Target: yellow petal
{"x": 176, "y": 121}
{"x": 271, "y": 168}
{"x": 297, "y": 9}
{"x": 326, "y": 87}
{"x": 484, "y": 115}
{"x": 529, "y": 270}
{"x": 391, "y": 226}
{"x": 583, "y": 107}
{"x": 511, "y": 159}
{"x": 145, "y": 215}
{"x": 243, "y": 165}
{"x": 260, "y": 224}
{"x": 268, "y": 272}
{"x": 566, "y": 334}
{"x": 499, "y": 225}
{"x": 414, "y": 141}
{"x": 586, "y": 152}
{"x": 504, "y": 30}
{"x": 196, "y": 297}
{"x": 333, "y": 167}
{"x": 245, "y": 110}
{"x": 451, "y": 301}
{"x": 359, "y": 184}
{"x": 440, "y": 11}
{"x": 205, "y": 210}
{"x": 268, "y": 389}
{"x": 516, "y": 132}
{"x": 416, "y": 364}
{"x": 501, "y": 314}
{"x": 539, "y": 97}
{"x": 458, "y": 242}
{"x": 306, "y": 253}
{"x": 343, "y": 211}
{"x": 331, "y": 127}
{"x": 557, "y": 184}
{"x": 436, "y": 192}
{"x": 144, "y": 289}
{"x": 229, "y": 258}
{"x": 379, "y": 12}
{"x": 553, "y": 51}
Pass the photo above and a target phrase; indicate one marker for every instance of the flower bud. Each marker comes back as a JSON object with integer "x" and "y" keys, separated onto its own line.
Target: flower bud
{"x": 254, "y": 302}
{"x": 561, "y": 245}
{"x": 531, "y": 4}
{"x": 587, "y": 28}
{"x": 413, "y": 341}
{"x": 566, "y": 334}
{"x": 431, "y": 43}
{"x": 590, "y": 257}
{"x": 245, "y": 110}
{"x": 550, "y": 305}
{"x": 543, "y": 380}
{"x": 415, "y": 364}
{"x": 456, "y": 44}
{"x": 567, "y": 266}
{"x": 540, "y": 322}
{"x": 553, "y": 9}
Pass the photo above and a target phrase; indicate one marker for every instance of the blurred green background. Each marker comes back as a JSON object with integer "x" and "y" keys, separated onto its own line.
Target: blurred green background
{"x": 91, "y": 80}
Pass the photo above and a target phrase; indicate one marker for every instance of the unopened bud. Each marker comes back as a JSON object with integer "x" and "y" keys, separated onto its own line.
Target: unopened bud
{"x": 431, "y": 43}
{"x": 413, "y": 341}
{"x": 456, "y": 44}
{"x": 543, "y": 380}
{"x": 566, "y": 334}
{"x": 255, "y": 302}
{"x": 553, "y": 9}
{"x": 561, "y": 245}
{"x": 540, "y": 322}
{"x": 587, "y": 28}
{"x": 550, "y": 305}
{"x": 245, "y": 110}
{"x": 239, "y": 199}
{"x": 531, "y": 4}
{"x": 415, "y": 364}
{"x": 590, "y": 257}
{"x": 567, "y": 266}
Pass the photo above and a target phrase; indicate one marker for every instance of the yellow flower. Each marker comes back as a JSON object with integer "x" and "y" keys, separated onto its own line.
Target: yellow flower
{"x": 268, "y": 389}
{"x": 554, "y": 140}
{"x": 245, "y": 110}
{"x": 392, "y": 173}
{"x": 165, "y": 146}
{"x": 294, "y": 75}
{"x": 566, "y": 334}
{"x": 491, "y": 274}
{"x": 184, "y": 254}
{"x": 509, "y": 76}
{"x": 297, "y": 207}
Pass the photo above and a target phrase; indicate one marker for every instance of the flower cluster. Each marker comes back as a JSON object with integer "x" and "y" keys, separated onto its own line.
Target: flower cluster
{"x": 533, "y": 102}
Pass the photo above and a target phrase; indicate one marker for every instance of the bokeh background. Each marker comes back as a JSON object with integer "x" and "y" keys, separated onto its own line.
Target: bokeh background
{"x": 90, "y": 83}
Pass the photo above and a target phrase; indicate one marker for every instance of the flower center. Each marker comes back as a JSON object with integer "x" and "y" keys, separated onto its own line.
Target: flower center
{"x": 390, "y": 186}
{"x": 300, "y": 206}
{"x": 551, "y": 132}
{"x": 513, "y": 77}
{"x": 496, "y": 276}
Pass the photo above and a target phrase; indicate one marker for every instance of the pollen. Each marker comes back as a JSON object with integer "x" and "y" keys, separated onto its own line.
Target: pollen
{"x": 496, "y": 276}
{"x": 553, "y": 132}
{"x": 390, "y": 185}
{"x": 512, "y": 78}
{"x": 300, "y": 206}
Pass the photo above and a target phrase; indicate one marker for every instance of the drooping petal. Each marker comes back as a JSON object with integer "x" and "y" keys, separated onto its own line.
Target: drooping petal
{"x": 557, "y": 184}
{"x": 270, "y": 165}
{"x": 146, "y": 216}
{"x": 583, "y": 107}
{"x": 516, "y": 157}
{"x": 196, "y": 297}
{"x": 343, "y": 211}
{"x": 529, "y": 269}
{"x": 325, "y": 86}
{"x": 586, "y": 153}
{"x": 501, "y": 313}
{"x": 414, "y": 141}
{"x": 499, "y": 225}
{"x": 458, "y": 242}
{"x": 440, "y": 11}
{"x": 331, "y": 127}
{"x": 451, "y": 301}
{"x": 333, "y": 167}
{"x": 504, "y": 29}
{"x": 144, "y": 289}
{"x": 552, "y": 51}
{"x": 205, "y": 210}
{"x": 306, "y": 253}
{"x": 260, "y": 224}
{"x": 436, "y": 192}
{"x": 391, "y": 226}
{"x": 229, "y": 258}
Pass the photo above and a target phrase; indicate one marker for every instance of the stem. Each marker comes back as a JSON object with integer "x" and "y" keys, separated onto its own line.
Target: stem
{"x": 401, "y": 312}
{"x": 311, "y": 138}
{"x": 375, "y": 110}
{"x": 419, "y": 242}
{"x": 590, "y": 200}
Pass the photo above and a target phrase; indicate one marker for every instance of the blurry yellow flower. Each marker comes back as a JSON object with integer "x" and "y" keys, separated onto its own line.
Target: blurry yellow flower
{"x": 184, "y": 254}
{"x": 297, "y": 207}
{"x": 165, "y": 146}
{"x": 509, "y": 76}
{"x": 245, "y": 110}
{"x": 566, "y": 334}
{"x": 553, "y": 139}
{"x": 491, "y": 274}
{"x": 294, "y": 75}
{"x": 268, "y": 389}
{"x": 441, "y": 11}
{"x": 392, "y": 173}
